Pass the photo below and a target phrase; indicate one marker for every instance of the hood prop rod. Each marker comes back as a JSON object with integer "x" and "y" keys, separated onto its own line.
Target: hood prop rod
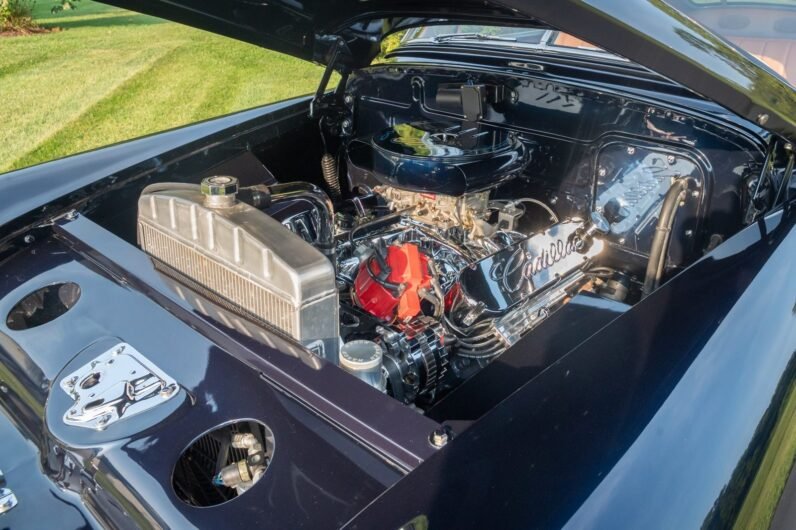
{"x": 335, "y": 53}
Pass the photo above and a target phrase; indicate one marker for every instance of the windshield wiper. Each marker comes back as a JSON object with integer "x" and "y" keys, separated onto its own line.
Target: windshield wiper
{"x": 471, "y": 36}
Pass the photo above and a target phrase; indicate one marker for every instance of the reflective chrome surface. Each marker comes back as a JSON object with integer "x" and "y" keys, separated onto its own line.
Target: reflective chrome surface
{"x": 510, "y": 276}
{"x": 8, "y": 500}
{"x": 114, "y": 386}
{"x": 245, "y": 257}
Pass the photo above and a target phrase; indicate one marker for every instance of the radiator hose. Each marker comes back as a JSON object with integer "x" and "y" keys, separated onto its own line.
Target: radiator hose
{"x": 663, "y": 235}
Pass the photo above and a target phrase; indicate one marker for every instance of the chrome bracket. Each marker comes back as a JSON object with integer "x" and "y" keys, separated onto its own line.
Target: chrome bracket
{"x": 116, "y": 385}
{"x": 7, "y": 500}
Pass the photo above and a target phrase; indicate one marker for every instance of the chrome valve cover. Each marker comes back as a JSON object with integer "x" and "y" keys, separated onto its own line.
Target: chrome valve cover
{"x": 503, "y": 296}
{"x": 499, "y": 282}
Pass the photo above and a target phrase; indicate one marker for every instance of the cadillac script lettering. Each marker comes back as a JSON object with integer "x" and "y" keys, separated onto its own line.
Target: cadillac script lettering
{"x": 530, "y": 264}
{"x": 509, "y": 276}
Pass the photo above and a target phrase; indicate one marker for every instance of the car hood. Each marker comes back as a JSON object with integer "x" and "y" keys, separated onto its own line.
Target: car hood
{"x": 649, "y": 32}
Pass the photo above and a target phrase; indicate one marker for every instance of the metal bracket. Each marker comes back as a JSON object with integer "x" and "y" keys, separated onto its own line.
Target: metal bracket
{"x": 7, "y": 500}
{"x": 118, "y": 384}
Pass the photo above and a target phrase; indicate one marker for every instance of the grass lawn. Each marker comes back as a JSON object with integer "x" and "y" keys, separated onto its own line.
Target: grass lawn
{"x": 112, "y": 74}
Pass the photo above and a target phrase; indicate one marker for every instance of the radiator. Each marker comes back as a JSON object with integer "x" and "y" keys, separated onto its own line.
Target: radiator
{"x": 247, "y": 258}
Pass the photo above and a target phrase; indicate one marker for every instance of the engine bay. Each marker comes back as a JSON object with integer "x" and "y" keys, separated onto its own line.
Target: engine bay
{"x": 419, "y": 228}
{"x": 427, "y": 268}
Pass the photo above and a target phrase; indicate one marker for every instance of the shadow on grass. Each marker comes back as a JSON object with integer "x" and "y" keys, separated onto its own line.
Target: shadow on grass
{"x": 105, "y": 20}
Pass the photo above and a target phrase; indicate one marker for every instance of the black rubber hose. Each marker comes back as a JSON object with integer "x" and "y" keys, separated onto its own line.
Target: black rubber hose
{"x": 663, "y": 235}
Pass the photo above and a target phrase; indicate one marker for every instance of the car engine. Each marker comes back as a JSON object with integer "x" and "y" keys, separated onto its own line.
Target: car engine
{"x": 411, "y": 285}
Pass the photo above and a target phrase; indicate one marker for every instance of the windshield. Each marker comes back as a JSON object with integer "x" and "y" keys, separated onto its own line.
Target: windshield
{"x": 504, "y": 36}
{"x": 765, "y": 29}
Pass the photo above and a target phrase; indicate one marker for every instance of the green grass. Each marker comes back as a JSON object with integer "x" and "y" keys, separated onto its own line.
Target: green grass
{"x": 111, "y": 75}
{"x": 760, "y": 504}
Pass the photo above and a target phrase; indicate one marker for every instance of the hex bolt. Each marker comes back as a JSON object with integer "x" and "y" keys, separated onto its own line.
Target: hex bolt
{"x": 671, "y": 160}
{"x": 348, "y": 99}
{"x": 346, "y": 123}
{"x": 28, "y": 239}
{"x": 602, "y": 172}
{"x": 439, "y": 437}
{"x": 631, "y": 150}
{"x": 762, "y": 119}
{"x": 689, "y": 233}
{"x": 71, "y": 215}
{"x": 695, "y": 194}
{"x": 103, "y": 422}
{"x": 167, "y": 391}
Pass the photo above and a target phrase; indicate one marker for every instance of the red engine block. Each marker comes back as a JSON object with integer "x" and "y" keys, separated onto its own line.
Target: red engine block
{"x": 390, "y": 291}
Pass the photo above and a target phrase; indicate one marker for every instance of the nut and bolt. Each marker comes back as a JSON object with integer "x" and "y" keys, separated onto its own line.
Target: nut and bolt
{"x": 762, "y": 119}
{"x": 71, "y": 215}
{"x": 671, "y": 160}
{"x": 439, "y": 437}
{"x": 689, "y": 233}
{"x": 602, "y": 172}
{"x": 631, "y": 150}
{"x": 28, "y": 239}
{"x": 348, "y": 99}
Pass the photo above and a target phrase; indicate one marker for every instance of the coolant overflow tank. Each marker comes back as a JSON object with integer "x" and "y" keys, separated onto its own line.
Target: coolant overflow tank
{"x": 238, "y": 253}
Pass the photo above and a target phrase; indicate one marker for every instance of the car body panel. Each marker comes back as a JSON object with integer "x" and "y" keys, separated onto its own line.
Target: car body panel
{"x": 123, "y": 475}
{"x": 661, "y": 420}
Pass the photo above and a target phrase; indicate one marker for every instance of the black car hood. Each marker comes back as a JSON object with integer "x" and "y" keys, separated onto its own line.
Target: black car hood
{"x": 650, "y": 32}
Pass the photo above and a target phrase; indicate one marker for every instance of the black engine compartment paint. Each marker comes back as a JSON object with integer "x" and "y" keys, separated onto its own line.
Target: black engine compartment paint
{"x": 572, "y": 129}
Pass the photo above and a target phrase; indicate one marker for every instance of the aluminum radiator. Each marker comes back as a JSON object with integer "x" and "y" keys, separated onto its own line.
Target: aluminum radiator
{"x": 245, "y": 257}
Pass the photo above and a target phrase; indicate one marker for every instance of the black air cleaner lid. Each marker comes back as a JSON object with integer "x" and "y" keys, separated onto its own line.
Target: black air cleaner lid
{"x": 445, "y": 158}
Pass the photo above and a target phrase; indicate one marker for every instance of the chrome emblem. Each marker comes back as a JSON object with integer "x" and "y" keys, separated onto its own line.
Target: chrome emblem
{"x": 542, "y": 259}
